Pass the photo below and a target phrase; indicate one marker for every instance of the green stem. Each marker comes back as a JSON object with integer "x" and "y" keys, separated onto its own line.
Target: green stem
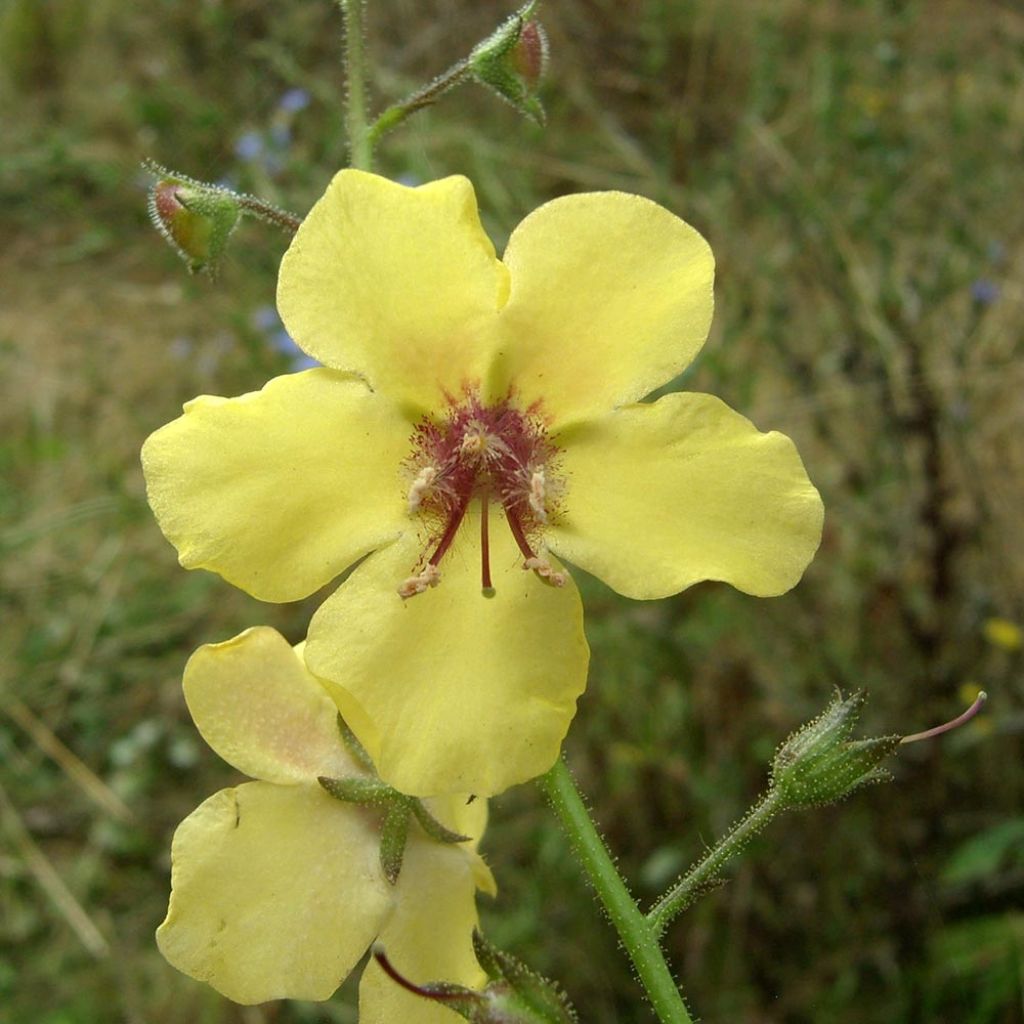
{"x": 708, "y": 869}
{"x": 269, "y": 213}
{"x": 425, "y": 96}
{"x": 636, "y": 933}
{"x": 360, "y": 147}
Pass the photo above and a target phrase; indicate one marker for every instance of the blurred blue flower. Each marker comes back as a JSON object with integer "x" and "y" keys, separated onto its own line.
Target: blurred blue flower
{"x": 298, "y": 360}
{"x": 984, "y": 292}
{"x": 294, "y": 100}
{"x": 265, "y": 318}
{"x": 249, "y": 146}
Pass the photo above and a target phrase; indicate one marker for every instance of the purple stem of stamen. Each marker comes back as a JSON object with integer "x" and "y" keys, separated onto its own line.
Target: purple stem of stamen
{"x": 449, "y": 534}
{"x": 979, "y": 702}
{"x": 386, "y": 966}
{"x": 517, "y": 531}
{"x": 485, "y": 546}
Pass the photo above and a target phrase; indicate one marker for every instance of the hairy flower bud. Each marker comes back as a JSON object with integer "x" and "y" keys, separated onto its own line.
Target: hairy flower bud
{"x": 196, "y": 219}
{"x": 820, "y": 764}
{"x": 512, "y": 61}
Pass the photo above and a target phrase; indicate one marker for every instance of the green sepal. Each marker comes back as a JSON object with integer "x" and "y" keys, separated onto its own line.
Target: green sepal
{"x": 517, "y": 991}
{"x": 354, "y": 747}
{"x": 393, "y": 836}
{"x": 434, "y": 828}
{"x": 820, "y": 764}
{"x": 358, "y": 790}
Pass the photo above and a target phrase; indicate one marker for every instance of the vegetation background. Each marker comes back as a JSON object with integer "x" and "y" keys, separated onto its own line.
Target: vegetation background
{"x": 857, "y": 166}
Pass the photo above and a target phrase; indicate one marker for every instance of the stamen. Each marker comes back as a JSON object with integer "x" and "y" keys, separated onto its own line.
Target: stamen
{"x": 497, "y": 453}
{"x": 485, "y": 547}
{"x": 430, "y": 577}
{"x": 517, "y": 531}
{"x": 423, "y": 482}
{"x": 449, "y": 534}
{"x": 538, "y": 493}
{"x": 474, "y": 444}
{"x": 540, "y": 565}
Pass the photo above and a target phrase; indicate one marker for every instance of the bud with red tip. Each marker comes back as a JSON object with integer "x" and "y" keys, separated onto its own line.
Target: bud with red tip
{"x": 512, "y": 61}
{"x": 196, "y": 219}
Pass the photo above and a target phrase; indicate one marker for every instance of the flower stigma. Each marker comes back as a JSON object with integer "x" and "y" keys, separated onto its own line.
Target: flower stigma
{"x": 494, "y": 454}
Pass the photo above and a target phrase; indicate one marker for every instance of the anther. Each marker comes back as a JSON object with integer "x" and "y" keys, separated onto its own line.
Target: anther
{"x": 474, "y": 444}
{"x": 423, "y": 482}
{"x": 430, "y": 577}
{"x": 538, "y": 494}
{"x": 545, "y": 570}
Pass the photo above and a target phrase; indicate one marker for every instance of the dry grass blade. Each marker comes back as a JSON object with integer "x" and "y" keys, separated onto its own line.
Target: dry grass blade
{"x": 51, "y": 882}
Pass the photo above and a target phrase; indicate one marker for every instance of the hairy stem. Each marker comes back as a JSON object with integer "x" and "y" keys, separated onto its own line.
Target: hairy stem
{"x": 709, "y": 868}
{"x": 269, "y": 213}
{"x": 637, "y": 935}
{"x": 423, "y": 97}
{"x": 360, "y": 146}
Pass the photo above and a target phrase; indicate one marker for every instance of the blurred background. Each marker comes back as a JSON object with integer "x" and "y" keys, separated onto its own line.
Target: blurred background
{"x": 857, "y": 167}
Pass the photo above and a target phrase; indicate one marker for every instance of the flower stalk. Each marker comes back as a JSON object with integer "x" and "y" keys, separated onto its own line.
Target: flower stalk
{"x": 423, "y": 97}
{"x": 638, "y": 935}
{"x": 360, "y": 144}
{"x": 707, "y": 872}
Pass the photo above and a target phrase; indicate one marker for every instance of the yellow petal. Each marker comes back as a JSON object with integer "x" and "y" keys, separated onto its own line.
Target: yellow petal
{"x": 466, "y": 694}
{"x": 281, "y": 489}
{"x": 662, "y": 496}
{"x": 276, "y": 893}
{"x": 467, "y": 815}
{"x": 611, "y": 298}
{"x": 429, "y": 937}
{"x": 398, "y": 284}
{"x": 261, "y": 710}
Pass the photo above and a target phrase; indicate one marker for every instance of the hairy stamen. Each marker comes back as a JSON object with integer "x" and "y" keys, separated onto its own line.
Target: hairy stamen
{"x": 421, "y": 486}
{"x": 538, "y": 495}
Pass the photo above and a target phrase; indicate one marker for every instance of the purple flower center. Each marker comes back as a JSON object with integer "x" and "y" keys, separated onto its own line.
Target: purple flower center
{"x": 494, "y": 454}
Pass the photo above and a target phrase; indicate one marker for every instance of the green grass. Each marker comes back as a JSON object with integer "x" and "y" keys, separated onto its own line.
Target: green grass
{"x": 856, "y": 167}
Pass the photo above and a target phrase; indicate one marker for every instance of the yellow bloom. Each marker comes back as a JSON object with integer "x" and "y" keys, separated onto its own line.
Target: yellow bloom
{"x": 1003, "y": 633}
{"x": 277, "y": 889}
{"x": 477, "y": 417}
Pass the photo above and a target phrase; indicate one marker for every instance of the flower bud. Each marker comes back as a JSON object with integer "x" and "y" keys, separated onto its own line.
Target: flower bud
{"x": 513, "y": 994}
{"x": 820, "y": 764}
{"x": 196, "y": 219}
{"x": 512, "y": 61}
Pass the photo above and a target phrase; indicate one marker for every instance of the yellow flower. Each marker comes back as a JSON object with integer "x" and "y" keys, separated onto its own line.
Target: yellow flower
{"x": 1002, "y": 633}
{"x": 477, "y": 417}
{"x": 277, "y": 889}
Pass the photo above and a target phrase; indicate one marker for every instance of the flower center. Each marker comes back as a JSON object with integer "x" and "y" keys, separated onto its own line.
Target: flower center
{"x": 492, "y": 454}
